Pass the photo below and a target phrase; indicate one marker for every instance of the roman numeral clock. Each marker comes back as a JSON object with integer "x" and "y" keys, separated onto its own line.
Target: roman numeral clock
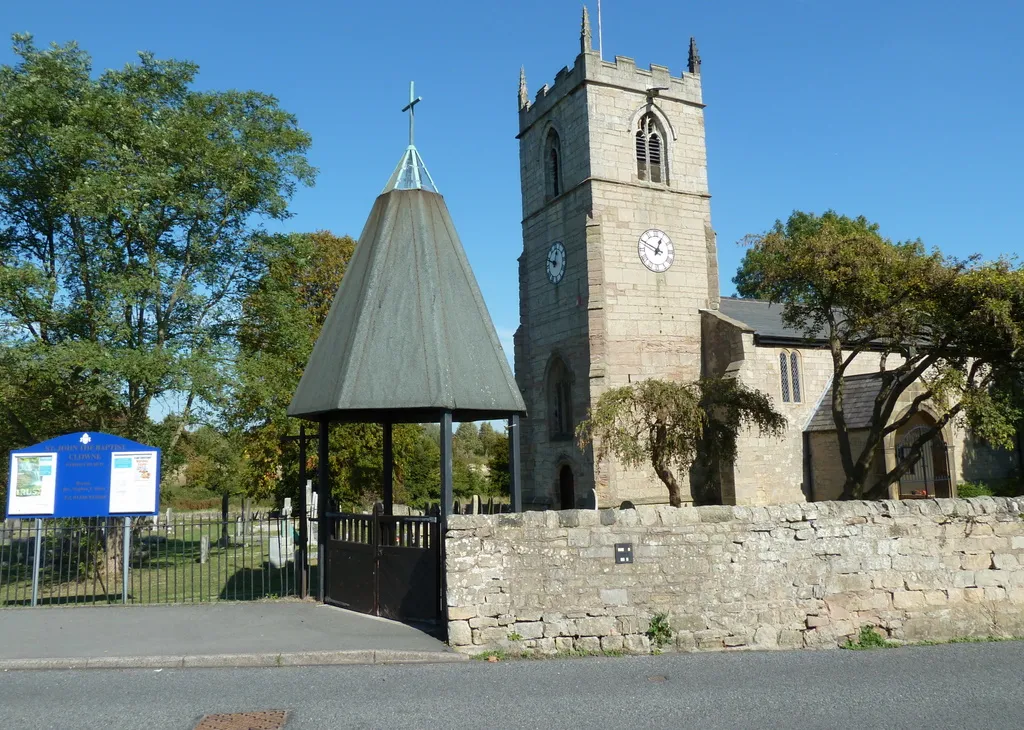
{"x": 656, "y": 251}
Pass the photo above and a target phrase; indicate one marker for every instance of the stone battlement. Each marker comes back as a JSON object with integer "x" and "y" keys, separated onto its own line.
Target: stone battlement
{"x": 622, "y": 73}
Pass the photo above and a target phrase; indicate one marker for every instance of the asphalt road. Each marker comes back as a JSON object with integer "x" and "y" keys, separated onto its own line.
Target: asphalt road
{"x": 953, "y": 686}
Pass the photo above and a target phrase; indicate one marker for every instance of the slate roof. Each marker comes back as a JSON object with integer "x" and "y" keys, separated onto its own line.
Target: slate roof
{"x": 859, "y": 395}
{"x": 764, "y": 318}
{"x": 408, "y": 334}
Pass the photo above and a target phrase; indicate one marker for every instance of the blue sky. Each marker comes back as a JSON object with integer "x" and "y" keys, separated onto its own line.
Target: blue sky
{"x": 907, "y": 112}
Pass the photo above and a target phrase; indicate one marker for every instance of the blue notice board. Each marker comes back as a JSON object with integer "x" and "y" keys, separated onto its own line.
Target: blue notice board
{"x": 84, "y": 475}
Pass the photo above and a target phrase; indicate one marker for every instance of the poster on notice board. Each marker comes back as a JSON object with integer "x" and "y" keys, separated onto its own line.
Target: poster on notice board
{"x": 33, "y": 485}
{"x": 133, "y": 482}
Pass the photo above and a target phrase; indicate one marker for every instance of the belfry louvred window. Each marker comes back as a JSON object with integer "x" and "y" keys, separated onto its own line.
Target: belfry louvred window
{"x": 649, "y": 163}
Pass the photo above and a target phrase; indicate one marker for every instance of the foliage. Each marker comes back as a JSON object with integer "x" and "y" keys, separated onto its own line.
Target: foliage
{"x": 213, "y": 461}
{"x": 967, "y": 490}
{"x": 126, "y": 204}
{"x": 869, "y": 638}
{"x": 282, "y": 313}
{"x": 659, "y": 631}
{"x": 1009, "y": 487}
{"x": 949, "y": 333}
{"x": 665, "y": 423}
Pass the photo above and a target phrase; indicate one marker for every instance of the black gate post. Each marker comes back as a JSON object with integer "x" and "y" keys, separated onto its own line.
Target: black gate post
{"x": 323, "y": 490}
{"x": 303, "y": 518}
{"x": 446, "y": 510}
{"x": 515, "y": 493}
{"x": 389, "y": 469}
{"x": 446, "y": 469}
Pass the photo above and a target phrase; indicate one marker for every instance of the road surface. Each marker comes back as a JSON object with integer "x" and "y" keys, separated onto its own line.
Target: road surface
{"x": 952, "y": 686}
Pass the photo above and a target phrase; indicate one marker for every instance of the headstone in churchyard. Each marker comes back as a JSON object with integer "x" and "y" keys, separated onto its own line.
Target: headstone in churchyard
{"x": 286, "y": 510}
{"x": 204, "y": 549}
{"x": 314, "y": 505}
{"x": 590, "y": 501}
{"x": 282, "y": 547}
{"x": 309, "y": 498}
{"x": 476, "y": 504}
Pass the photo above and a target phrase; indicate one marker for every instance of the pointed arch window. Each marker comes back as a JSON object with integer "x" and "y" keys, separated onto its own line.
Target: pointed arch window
{"x": 552, "y": 165}
{"x": 650, "y": 150}
{"x": 789, "y": 371}
{"x": 560, "y": 420}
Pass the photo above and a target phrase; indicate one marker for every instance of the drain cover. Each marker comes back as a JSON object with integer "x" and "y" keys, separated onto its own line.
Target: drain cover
{"x": 266, "y": 720}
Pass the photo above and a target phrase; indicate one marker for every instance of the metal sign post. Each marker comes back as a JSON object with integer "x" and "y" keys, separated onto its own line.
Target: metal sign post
{"x": 124, "y": 558}
{"x": 35, "y": 561}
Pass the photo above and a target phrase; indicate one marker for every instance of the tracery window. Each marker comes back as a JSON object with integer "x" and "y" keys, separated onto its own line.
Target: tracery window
{"x": 649, "y": 150}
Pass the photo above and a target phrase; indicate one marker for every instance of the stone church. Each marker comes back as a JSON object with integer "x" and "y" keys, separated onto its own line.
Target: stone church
{"x": 619, "y": 281}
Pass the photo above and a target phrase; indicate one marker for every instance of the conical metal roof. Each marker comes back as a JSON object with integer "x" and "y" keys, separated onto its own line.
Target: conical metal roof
{"x": 408, "y": 334}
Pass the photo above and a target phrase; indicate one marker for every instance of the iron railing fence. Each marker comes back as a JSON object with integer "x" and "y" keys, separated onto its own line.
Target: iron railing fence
{"x": 188, "y": 559}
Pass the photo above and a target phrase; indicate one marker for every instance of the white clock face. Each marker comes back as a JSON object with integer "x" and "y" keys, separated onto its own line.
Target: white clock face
{"x": 556, "y": 262}
{"x": 655, "y": 249}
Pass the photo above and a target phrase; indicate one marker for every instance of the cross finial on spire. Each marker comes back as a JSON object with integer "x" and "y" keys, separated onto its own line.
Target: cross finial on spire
{"x": 586, "y": 41}
{"x": 694, "y": 60}
{"x": 410, "y": 107}
{"x": 524, "y": 95}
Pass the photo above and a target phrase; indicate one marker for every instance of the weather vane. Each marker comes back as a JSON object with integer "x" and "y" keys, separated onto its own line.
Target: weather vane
{"x": 411, "y": 108}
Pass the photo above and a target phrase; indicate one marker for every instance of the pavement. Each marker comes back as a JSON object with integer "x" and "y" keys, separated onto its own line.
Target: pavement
{"x": 257, "y": 634}
{"x": 952, "y": 686}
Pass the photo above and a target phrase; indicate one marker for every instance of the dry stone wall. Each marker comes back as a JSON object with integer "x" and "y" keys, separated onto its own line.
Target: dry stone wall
{"x": 798, "y": 575}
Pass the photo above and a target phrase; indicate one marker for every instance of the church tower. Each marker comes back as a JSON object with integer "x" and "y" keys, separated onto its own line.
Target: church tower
{"x": 618, "y": 258}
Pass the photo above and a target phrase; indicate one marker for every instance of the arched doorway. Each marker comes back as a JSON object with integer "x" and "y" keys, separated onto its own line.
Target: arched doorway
{"x": 929, "y": 475}
{"x": 566, "y": 488}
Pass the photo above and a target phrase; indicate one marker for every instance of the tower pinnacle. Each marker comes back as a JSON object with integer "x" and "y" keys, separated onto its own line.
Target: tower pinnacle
{"x": 586, "y": 41}
{"x": 694, "y": 61}
{"x": 524, "y": 96}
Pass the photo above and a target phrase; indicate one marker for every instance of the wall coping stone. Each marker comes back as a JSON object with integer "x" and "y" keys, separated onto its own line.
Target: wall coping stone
{"x": 665, "y": 515}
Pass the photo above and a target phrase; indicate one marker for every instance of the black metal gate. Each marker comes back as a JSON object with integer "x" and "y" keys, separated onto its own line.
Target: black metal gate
{"x": 384, "y": 565}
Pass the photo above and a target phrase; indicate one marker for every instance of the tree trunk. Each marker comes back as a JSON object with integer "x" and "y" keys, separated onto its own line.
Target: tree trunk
{"x": 661, "y": 468}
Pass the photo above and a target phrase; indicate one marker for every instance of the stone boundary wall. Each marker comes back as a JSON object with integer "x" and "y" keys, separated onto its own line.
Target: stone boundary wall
{"x": 790, "y": 576}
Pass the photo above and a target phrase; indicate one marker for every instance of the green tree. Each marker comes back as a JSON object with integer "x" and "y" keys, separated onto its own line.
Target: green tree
{"x": 212, "y": 461}
{"x": 666, "y": 424}
{"x": 466, "y": 443}
{"x": 948, "y": 333}
{"x": 282, "y": 314}
{"x": 498, "y": 474}
{"x": 126, "y": 204}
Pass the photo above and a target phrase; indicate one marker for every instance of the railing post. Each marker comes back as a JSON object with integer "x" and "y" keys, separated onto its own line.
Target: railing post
{"x": 126, "y": 547}
{"x": 35, "y": 561}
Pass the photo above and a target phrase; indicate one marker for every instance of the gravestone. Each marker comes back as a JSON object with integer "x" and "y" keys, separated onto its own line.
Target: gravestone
{"x": 204, "y": 549}
{"x": 282, "y": 546}
{"x": 286, "y": 510}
